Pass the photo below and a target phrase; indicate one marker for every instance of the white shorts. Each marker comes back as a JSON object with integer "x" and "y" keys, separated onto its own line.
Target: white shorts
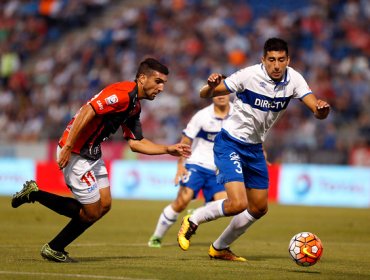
{"x": 85, "y": 177}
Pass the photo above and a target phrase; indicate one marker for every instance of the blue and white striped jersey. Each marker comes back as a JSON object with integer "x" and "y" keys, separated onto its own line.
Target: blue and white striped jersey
{"x": 260, "y": 101}
{"x": 202, "y": 129}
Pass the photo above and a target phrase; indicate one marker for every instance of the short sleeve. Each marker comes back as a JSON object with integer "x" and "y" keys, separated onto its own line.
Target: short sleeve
{"x": 113, "y": 98}
{"x": 235, "y": 82}
{"x": 193, "y": 126}
{"x": 301, "y": 87}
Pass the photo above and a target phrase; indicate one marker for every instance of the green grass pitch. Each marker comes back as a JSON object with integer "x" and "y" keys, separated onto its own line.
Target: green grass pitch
{"x": 116, "y": 246}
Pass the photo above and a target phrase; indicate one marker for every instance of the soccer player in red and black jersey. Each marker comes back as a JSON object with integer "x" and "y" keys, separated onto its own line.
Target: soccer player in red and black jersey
{"x": 79, "y": 154}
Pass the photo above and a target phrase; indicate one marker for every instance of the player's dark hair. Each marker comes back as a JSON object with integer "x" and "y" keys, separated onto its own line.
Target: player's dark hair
{"x": 150, "y": 64}
{"x": 275, "y": 44}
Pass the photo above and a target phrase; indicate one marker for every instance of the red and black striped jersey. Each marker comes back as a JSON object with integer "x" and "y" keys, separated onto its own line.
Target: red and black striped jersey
{"x": 116, "y": 105}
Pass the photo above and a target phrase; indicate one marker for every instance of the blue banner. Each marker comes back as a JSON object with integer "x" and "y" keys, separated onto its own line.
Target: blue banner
{"x": 324, "y": 185}
{"x": 143, "y": 179}
{"x": 13, "y": 174}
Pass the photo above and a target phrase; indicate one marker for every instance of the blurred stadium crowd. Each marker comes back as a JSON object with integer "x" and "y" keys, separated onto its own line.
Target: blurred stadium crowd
{"x": 56, "y": 54}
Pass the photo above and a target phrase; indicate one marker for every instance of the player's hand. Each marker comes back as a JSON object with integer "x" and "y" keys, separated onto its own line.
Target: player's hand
{"x": 181, "y": 172}
{"x": 322, "y": 109}
{"x": 179, "y": 150}
{"x": 64, "y": 156}
{"x": 214, "y": 80}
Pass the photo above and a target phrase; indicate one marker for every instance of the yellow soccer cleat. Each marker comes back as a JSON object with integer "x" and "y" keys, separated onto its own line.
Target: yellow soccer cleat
{"x": 224, "y": 254}
{"x": 187, "y": 229}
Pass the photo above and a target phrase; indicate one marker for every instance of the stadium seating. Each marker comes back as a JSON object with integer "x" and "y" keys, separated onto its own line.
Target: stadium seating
{"x": 54, "y": 58}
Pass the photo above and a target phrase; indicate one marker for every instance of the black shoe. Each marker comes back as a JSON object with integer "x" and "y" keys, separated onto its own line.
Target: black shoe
{"x": 55, "y": 256}
{"x": 24, "y": 195}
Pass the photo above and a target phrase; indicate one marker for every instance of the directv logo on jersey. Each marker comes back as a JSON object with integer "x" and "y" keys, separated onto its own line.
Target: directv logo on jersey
{"x": 277, "y": 105}
{"x": 111, "y": 99}
{"x": 262, "y": 102}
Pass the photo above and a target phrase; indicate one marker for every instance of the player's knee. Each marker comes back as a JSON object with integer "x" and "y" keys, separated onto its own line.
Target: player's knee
{"x": 241, "y": 206}
{"x": 105, "y": 206}
{"x": 237, "y": 207}
{"x": 179, "y": 205}
{"x": 180, "y": 208}
{"x": 91, "y": 217}
{"x": 258, "y": 211}
{"x": 106, "y": 209}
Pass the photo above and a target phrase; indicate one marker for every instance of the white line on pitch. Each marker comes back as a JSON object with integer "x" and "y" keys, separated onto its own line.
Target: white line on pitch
{"x": 71, "y": 275}
{"x": 92, "y": 245}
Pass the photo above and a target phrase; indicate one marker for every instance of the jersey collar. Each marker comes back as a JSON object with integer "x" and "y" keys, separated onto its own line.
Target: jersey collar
{"x": 212, "y": 109}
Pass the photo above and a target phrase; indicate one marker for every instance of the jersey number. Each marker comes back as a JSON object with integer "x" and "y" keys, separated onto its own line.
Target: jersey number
{"x": 88, "y": 178}
{"x": 238, "y": 168}
{"x": 186, "y": 177}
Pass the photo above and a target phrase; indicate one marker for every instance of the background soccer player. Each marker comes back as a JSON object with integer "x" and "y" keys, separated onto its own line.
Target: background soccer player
{"x": 79, "y": 154}
{"x": 263, "y": 92}
{"x": 199, "y": 172}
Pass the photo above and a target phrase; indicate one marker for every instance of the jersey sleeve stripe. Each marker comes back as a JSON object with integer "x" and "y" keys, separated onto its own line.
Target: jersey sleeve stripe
{"x": 227, "y": 87}
{"x": 305, "y": 95}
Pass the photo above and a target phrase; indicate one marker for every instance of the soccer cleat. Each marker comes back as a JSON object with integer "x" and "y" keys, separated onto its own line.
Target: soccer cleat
{"x": 55, "y": 256}
{"x": 224, "y": 254}
{"x": 187, "y": 229}
{"x": 24, "y": 195}
{"x": 155, "y": 242}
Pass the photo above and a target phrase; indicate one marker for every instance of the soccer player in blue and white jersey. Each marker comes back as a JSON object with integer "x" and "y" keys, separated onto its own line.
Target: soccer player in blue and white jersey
{"x": 198, "y": 172}
{"x": 263, "y": 92}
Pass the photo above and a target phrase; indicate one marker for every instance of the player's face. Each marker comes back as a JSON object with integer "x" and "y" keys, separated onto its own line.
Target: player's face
{"x": 275, "y": 63}
{"x": 152, "y": 84}
{"x": 221, "y": 101}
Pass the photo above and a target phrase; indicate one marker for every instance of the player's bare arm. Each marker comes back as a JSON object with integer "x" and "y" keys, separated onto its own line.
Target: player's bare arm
{"x": 86, "y": 114}
{"x": 214, "y": 86}
{"x": 147, "y": 147}
{"x": 319, "y": 107}
{"x": 181, "y": 170}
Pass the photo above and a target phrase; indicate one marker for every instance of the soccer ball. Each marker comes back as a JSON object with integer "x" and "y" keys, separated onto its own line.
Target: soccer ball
{"x": 305, "y": 248}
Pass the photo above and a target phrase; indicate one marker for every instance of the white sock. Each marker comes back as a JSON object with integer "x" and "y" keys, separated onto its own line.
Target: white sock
{"x": 167, "y": 218}
{"x": 209, "y": 212}
{"x": 238, "y": 225}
